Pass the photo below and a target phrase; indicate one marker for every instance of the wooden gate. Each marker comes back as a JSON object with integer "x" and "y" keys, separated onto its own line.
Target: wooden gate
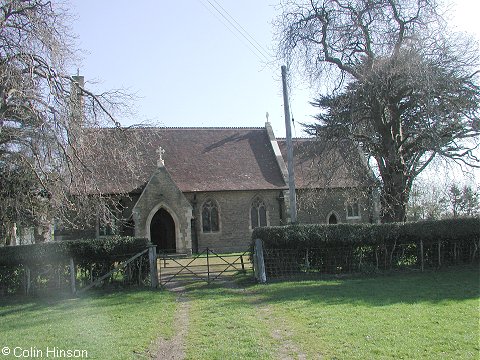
{"x": 207, "y": 266}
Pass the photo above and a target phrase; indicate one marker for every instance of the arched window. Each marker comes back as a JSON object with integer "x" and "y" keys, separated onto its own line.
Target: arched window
{"x": 353, "y": 209}
{"x": 258, "y": 213}
{"x": 210, "y": 216}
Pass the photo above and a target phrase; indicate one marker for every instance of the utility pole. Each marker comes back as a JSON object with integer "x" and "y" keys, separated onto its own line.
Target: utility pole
{"x": 291, "y": 174}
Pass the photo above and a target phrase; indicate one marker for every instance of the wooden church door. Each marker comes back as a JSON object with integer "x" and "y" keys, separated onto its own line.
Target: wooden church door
{"x": 162, "y": 231}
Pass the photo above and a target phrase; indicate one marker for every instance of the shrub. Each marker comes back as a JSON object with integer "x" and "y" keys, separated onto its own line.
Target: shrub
{"x": 311, "y": 236}
{"x": 48, "y": 263}
{"x": 353, "y": 247}
{"x": 114, "y": 248}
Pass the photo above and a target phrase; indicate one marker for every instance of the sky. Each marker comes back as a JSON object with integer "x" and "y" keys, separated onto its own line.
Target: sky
{"x": 188, "y": 67}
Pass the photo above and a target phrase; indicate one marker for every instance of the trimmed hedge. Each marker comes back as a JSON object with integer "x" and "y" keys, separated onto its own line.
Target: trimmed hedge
{"x": 311, "y": 236}
{"x": 341, "y": 248}
{"x": 82, "y": 251}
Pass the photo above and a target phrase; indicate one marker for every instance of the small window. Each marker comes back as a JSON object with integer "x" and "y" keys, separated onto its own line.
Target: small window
{"x": 258, "y": 213}
{"x": 210, "y": 221}
{"x": 353, "y": 209}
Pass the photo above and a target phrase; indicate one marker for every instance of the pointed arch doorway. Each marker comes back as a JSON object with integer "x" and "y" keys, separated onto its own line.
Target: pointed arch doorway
{"x": 162, "y": 231}
{"x": 332, "y": 219}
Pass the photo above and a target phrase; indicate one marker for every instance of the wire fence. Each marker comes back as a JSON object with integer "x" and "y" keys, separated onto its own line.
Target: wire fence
{"x": 141, "y": 269}
{"x": 342, "y": 259}
{"x": 69, "y": 277}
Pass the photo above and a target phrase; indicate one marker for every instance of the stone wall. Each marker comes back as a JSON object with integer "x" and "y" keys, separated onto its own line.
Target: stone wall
{"x": 315, "y": 206}
{"x": 235, "y": 229}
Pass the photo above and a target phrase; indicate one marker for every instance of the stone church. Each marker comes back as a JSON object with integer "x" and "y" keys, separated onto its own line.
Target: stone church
{"x": 210, "y": 187}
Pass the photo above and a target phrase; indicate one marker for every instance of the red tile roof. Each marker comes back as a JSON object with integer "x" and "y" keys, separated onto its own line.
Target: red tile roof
{"x": 320, "y": 164}
{"x": 198, "y": 159}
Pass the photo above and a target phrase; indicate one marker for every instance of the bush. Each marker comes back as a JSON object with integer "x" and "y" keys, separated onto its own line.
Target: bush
{"x": 48, "y": 263}
{"x": 311, "y": 236}
{"x": 355, "y": 247}
{"x": 82, "y": 251}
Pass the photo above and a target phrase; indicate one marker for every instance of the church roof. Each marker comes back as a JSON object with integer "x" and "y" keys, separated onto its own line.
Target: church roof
{"x": 198, "y": 159}
{"x": 324, "y": 164}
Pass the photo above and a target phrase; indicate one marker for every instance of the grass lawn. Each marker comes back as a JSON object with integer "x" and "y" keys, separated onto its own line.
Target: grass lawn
{"x": 412, "y": 316}
{"x": 118, "y": 325}
{"x": 427, "y": 315}
{"x": 431, "y": 315}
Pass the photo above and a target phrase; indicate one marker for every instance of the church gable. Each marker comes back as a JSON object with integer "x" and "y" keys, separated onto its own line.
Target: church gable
{"x": 162, "y": 202}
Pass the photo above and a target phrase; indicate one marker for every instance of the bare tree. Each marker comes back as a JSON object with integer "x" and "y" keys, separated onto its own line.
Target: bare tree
{"x": 463, "y": 201}
{"x": 403, "y": 88}
{"x": 430, "y": 200}
{"x": 45, "y": 118}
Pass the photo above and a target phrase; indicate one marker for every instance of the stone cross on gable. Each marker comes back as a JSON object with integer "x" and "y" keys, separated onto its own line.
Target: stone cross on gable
{"x": 160, "y": 152}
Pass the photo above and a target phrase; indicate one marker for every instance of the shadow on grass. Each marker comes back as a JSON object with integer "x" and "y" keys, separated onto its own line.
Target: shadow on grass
{"x": 452, "y": 284}
{"x": 99, "y": 306}
{"x": 63, "y": 301}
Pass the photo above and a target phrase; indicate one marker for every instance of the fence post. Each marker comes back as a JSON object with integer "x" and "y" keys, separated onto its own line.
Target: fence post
{"x": 243, "y": 265}
{"x": 439, "y": 255}
{"x": 73, "y": 277}
{"x": 28, "y": 280}
{"x": 152, "y": 258}
{"x": 259, "y": 262}
{"x": 208, "y": 267}
{"x": 421, "y": 253}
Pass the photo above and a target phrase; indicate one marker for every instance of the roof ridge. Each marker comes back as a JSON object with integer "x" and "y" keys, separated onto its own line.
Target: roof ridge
{"x": 139, "y": 127}
{"x": 296, "y": 138}
{"x": 210, "y": 127}
{"x": 190, "y": 127}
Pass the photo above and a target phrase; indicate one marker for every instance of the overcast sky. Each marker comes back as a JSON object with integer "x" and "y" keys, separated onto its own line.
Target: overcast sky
{"x": 188, "y": 68}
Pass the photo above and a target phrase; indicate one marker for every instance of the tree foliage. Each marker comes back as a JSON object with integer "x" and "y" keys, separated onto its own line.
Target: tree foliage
{"x": 403, "y": 90}
{"x": 44, "y": 115}
{"x": 429, "y": 201}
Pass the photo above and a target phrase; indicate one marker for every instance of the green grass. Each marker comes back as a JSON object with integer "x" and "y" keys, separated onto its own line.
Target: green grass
{"x": 224, "y": 325}
{"x": 410, "y": 316}
{"x": 431, "y": 315}
{"x": 118, "y": 325}
{"x": 401, "y": 316}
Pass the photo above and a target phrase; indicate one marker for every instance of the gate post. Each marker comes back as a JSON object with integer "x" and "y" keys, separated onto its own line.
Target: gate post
{"x": 152, "y": 258}
{"x": 259, "y": 263}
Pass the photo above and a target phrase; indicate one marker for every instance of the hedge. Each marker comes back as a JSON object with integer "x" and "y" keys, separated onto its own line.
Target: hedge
{"x": 311, "y": 236}
{"x": 82, "y": 251}
{"x": 342, "y": 248}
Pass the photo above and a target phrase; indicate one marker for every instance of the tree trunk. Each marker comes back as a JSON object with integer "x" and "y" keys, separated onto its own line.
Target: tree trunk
{"x": 395, "y": 194}
{"x": 392, "y": 209}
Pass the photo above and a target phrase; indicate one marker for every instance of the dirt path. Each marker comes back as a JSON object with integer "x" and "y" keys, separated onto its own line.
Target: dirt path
{"x": 281, "y": 332}
{"x": 288, "y": 349}
{"x": 174, "y": 349}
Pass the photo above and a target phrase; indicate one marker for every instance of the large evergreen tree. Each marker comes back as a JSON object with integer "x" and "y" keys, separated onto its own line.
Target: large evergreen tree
{"x": 403, "y": 90}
